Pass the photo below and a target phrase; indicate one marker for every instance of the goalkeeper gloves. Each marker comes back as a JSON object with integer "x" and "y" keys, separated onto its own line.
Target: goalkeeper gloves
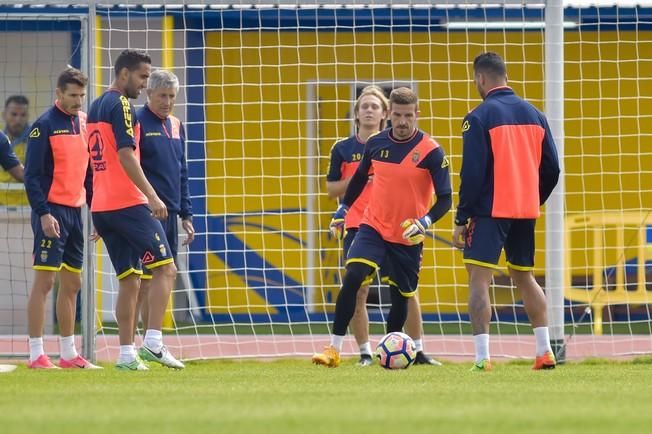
{"x": 415, "y": 229}
{"x": 337, "y": 227}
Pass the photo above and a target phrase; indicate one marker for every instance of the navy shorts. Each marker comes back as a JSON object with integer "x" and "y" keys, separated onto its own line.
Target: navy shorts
{"x": 348, "y": 240}
{"x": 171, "y": 229}
{"x": 67, "y": 251}
{"x": 487, "y": 236}
{"x": 400, "y": 264}
{"x": 133, "y": 239}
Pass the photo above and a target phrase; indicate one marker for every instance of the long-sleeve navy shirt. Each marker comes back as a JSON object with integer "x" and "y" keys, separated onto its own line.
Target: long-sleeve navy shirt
{"x": 163, "y": 159}
{"x": 57, "y": 161}
{"x": 509, "y": 162}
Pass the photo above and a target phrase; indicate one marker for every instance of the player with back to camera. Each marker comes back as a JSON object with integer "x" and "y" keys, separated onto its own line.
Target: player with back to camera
{"x": 509, "y": 169}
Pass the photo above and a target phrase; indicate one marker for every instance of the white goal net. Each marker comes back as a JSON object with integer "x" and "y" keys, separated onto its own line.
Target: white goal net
{"x": 267, "y": 89}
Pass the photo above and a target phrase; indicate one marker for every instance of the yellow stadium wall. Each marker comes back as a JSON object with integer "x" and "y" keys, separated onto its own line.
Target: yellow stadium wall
{"x": 257, "y": 136}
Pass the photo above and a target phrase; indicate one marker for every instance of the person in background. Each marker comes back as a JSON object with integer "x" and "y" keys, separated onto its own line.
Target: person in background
{"x": 17, "y": 128}
{"x": 8, "y": 159}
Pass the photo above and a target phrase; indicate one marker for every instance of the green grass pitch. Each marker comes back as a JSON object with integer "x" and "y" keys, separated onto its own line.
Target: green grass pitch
{"x": 293, "y": 396}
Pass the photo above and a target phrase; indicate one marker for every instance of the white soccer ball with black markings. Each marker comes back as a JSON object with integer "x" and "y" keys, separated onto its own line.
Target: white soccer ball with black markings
{"x": 396, "y": 350}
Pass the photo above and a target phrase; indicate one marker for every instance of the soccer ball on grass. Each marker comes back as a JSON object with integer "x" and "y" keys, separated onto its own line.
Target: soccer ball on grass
{"x": 396, "y": 351}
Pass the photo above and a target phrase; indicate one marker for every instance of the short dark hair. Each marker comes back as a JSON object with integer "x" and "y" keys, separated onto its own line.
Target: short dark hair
{"x": 17, "y": 99}
{"x": 403, "y": 96}
{"x": 71, "y": 75}
{"x": 131, "y": 59}
{"x": 490, "y": 63}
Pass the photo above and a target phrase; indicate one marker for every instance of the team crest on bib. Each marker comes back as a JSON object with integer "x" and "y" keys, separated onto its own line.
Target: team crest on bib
{"x": 163, "y": 250}
{"x": 35, "y": 133}
{"x": 466, "y": 126}
{"x": 415, "y": 156}
{"x": 44, "y": 255}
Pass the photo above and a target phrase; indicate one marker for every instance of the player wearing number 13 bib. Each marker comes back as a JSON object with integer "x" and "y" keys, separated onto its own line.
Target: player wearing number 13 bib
{"x": 408, "y": 168}
{"x": 370, "y": 113}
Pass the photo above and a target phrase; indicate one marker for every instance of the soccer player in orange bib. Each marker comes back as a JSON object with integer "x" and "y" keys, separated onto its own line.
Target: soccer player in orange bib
{"x": 509, "y": 169}
{"x": 57, "y": 181}
{"x": 370, "y": 113}
{"x": 408, "y": 167}
{"x": 126, "y": 212}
